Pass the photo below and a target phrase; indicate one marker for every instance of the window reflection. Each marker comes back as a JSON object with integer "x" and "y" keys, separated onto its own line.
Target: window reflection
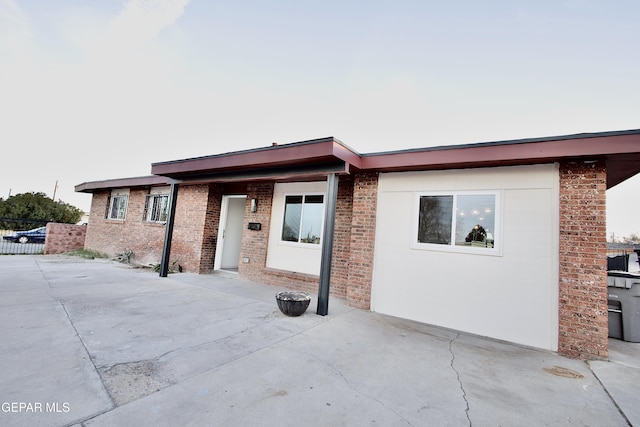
{"x": 475, "y": 220}
{"x": 469, "y": 218}
{"x": 303, "y": 219}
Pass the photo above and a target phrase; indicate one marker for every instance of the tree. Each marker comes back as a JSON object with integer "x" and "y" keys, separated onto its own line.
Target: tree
{"x": 35, "y": 207}
{"x": 477, "y": 234}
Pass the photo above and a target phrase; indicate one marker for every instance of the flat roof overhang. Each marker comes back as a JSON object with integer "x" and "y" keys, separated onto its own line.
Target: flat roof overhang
{"x": 315, "y": 159}
{"x": 311, "y": 160}
{"x": 108, "y": 184}
{"x": 620, "y": 150}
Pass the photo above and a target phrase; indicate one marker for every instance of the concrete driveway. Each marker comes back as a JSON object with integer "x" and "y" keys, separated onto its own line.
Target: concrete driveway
{"x": 97, "y": 343}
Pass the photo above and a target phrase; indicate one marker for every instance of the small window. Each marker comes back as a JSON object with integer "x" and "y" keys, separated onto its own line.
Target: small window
{"x": 118, "y": 207}
{"x": 458, "y": 221}
{"x": 156, "y": 208}
{"x": 303, "y": 219}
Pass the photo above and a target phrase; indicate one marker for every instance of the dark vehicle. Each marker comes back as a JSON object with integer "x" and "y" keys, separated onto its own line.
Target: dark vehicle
{"x": 37, "y": 235}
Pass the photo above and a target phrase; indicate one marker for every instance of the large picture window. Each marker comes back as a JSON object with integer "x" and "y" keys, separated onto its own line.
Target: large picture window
{"x": 458, "y": 221}
{"x": 156, "y": 208}
{"x": 117, "y": 208}
{"x": 303, "y": 218}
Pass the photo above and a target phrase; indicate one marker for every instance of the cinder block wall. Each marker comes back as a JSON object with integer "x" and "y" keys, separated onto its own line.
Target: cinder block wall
{"x": 583, "y": 317}
{"x": 64, "y": 238}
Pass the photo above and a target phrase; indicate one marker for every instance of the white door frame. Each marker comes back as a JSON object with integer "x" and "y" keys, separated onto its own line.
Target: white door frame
{"x": 224, "y": 210}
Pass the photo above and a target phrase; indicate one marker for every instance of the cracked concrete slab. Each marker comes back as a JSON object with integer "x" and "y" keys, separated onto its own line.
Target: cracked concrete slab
{"x": 126, "y": 382}
{"x": 123, "y": 346}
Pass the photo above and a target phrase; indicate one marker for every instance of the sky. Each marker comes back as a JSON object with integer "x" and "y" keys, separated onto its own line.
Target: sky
{"x": 102, "y": 89}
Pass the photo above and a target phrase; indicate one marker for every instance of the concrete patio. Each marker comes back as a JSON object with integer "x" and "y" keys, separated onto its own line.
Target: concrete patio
{"x": 98, "y": 343}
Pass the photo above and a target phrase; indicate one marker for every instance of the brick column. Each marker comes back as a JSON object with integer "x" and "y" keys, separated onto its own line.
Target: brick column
{"x": 342, "y": 239}
{"x": 583, "y": 317}
{"x": 255, "y": 243}
{"x": 363, "y": 233}
{"x": 210, "y": 231}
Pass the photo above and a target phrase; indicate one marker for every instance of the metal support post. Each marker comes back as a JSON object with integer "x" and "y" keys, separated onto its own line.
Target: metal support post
{"x": 168, "y": 233}
{"x": 327, "y": 244}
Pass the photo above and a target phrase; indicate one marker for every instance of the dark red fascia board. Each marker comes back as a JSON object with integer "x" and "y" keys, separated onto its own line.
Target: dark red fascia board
{"x": 310, "y": 152}
{"x": 525, "y": 151}
{"x": 620, "y": 149}
{"x": 141, "y": 181}
{"x": 501, "y": 153}
{"x": 611, "y": 146}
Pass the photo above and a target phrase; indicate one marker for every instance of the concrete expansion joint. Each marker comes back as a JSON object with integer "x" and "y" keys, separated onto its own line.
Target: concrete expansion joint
{"x": 452, "y": 364}
{"x": 86, "y": 350}
{"x": 629, "y": 423}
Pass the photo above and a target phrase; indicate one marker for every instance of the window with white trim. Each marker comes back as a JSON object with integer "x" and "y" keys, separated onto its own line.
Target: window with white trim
{"x": 117, "y": 205}
{"x": 156, "y": 208}
{"x": 460, "y": 221}
{"x": 303, "y": 216}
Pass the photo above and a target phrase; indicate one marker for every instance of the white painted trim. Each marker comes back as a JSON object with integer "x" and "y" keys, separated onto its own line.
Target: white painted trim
{"x": 284, "y": 203}
{"x": 224, "y": 209}
{"x": 497, "y": 231}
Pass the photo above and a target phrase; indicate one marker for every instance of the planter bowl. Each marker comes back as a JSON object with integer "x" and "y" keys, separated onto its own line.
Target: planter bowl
{"x": 293, "y": 303}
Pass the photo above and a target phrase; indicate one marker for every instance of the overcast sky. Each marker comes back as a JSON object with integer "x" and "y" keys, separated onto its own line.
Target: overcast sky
{"x": 101, "y": 89}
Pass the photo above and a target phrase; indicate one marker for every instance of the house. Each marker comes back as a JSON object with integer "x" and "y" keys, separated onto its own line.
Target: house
{"x": 503, "y": 239}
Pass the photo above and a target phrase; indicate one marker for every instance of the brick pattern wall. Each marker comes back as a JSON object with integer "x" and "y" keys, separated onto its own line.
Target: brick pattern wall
{"x": 64, "y": 238}
{"x": 196, "y": 227}
{"x": 254, "y": 244}
{"x": 192, "y": 232}
{"x": 583, "y": 316}
{"x": 111, "y": 237}
{"x": 363, "y": 230}
{"x": 189, "y": 228}
{"x": 341, "y": 239}
{"x": 211, "y": 225}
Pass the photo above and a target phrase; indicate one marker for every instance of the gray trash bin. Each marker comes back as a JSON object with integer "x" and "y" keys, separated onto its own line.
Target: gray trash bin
{"x": 615, "y": 319}
{"x": 624, "y": 296}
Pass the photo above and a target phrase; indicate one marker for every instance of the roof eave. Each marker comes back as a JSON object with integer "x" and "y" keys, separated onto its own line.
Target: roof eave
{"x": 311, "y": 152}
{"x": 107, "y": 184}
{"x": 612, "y": 147}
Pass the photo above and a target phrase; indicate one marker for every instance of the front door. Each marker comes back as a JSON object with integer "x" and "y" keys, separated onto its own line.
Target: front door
{"x": 230, "y": 232}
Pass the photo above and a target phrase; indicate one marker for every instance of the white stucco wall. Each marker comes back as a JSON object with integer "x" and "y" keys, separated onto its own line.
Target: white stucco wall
{"x": 296, "y": 257}
{"x": 511, "y": 296}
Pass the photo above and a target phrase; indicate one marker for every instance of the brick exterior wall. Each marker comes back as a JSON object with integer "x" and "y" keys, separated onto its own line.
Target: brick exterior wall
{"x": 193, "y": 210}
{"x": 210, "y": 233}
{"x": 64, "y": 238}
{"x": 254, "y": 243}
{"x": 363, "y": 232}
{"x": 583, "y": 316}
{"x": 111, "y": 237}
{"x": 196, "y": 226}
{"x": 341, "y": 239}
{"x": 189, "y": 247}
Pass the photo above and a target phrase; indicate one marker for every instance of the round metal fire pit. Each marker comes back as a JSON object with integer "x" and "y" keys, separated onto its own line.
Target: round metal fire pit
{"x": 293, "y": 303}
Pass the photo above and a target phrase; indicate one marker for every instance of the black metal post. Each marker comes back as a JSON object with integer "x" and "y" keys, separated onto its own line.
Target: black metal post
{"x": 327, "y": 244}
{"x": 168, "y": 232}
